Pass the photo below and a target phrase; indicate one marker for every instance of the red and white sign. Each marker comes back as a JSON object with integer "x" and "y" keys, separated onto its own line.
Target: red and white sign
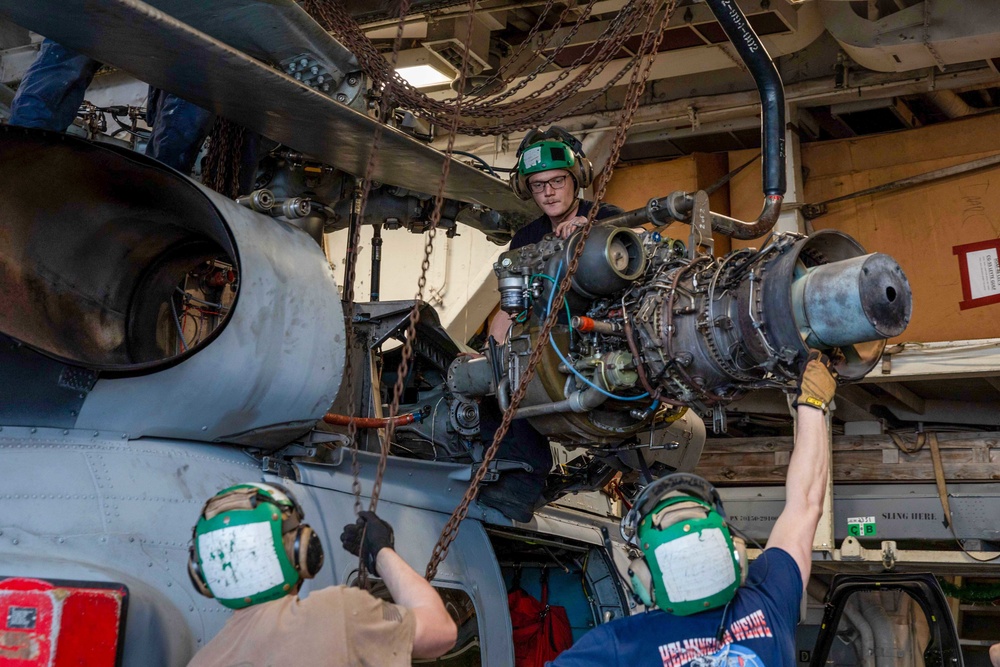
{"x": 61, "y": 623}
{"x": 979, "y": 265}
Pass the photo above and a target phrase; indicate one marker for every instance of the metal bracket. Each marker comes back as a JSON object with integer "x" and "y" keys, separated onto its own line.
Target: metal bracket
{"x": 493, "y": 470}
{"x": 277, "y": 466}
{"x": 701, "y": 226}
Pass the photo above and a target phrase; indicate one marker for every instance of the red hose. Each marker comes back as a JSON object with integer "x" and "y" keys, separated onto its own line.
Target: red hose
{"x": 368, "y": 422}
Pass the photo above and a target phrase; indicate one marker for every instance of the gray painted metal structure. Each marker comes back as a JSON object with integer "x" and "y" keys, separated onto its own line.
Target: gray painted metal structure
{"x": 170, "y": 54}
{"x": 110, "y": 443}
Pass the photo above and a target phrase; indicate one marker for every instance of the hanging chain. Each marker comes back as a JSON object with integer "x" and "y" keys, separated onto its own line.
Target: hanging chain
{"x": 353, "y": 245}
{"x": 650, "y": 43}
{"x": 411, "y": 331}
{"x": 489, "y": 116}
{"x": 223, "y": 160}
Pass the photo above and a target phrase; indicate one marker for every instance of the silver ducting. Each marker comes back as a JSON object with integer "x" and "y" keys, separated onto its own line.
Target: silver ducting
{"x": 100, "y": 250}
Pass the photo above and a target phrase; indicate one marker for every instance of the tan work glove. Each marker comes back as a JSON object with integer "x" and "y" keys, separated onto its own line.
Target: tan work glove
{"x": 818, "y": 382}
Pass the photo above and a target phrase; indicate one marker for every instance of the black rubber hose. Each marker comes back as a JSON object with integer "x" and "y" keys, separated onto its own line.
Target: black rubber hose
{"x": 772, "y": 94}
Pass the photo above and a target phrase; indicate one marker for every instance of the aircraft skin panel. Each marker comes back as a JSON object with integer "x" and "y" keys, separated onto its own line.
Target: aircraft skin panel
{"x": 288, "y": 322}
{"x": 166, "y": 53}
{"x": 94, "y": 507}
{"x": 269, "y": 30}
{"x": 98, "y": 508}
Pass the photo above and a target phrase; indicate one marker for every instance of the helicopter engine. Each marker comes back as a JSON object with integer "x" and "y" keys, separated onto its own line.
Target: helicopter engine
{"x": 649, "y": 328}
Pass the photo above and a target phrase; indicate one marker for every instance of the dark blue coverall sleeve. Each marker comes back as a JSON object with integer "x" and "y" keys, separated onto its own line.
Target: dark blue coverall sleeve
{"x": 54, "y": 86}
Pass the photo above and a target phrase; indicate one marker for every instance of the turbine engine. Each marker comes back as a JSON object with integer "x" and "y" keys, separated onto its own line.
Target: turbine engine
{"x": 649, "y": 328}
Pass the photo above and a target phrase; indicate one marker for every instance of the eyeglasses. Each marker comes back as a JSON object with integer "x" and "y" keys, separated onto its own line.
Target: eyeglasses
{"x": 538, "y": 187}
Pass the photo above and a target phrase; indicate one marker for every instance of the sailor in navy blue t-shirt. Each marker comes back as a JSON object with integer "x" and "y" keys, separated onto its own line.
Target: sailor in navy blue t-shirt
{"x": 708, "y": 609}
{"x": 551, "y": 171}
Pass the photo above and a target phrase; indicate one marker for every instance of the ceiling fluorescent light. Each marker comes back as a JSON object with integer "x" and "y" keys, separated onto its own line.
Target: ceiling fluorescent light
{"x": 423, "y": 76}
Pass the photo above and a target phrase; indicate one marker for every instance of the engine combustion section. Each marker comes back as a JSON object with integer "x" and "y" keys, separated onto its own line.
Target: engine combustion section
{"x": 649, "y": 328}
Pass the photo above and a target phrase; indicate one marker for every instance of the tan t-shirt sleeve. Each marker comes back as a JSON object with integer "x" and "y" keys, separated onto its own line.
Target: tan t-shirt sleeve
{"x": 379, "y": 633}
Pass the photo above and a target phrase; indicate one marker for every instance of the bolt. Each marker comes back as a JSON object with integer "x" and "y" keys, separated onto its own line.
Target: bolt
{"x": 303, "y": 62}
{"x": 314, "y": 70}
{"x": 352, "y": 81}
{"x": 341, "y": 97}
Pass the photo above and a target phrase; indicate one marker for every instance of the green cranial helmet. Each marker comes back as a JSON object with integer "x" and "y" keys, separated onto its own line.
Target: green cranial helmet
{"x": 250, "y": 546}
{"x": 543, "y": 151}
{"x": 690, "y": 561}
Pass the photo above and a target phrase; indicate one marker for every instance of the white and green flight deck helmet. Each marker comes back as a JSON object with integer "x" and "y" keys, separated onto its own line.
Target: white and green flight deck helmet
{"x": 554, "y": 148}
{"x": 690, "y": 560}
{"x": 251, "y": 546}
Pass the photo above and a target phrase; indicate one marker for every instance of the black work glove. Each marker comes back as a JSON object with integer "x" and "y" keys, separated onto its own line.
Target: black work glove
{"x": 366, "y": 537}
{"x": 817, "y": 383}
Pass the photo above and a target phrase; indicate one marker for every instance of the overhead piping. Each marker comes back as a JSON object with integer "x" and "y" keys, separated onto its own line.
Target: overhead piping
{"x": 679, "y": 205}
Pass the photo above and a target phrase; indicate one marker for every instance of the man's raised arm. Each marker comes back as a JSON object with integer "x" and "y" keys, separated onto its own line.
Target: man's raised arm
{"x": 808, "y": 468}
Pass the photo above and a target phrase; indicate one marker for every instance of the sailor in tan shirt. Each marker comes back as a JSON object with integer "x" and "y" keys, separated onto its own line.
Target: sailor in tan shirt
{"x": 251, "y": 551}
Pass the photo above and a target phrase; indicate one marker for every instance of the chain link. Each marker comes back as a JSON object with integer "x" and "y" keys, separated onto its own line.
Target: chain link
{"x": 223, "y": 160}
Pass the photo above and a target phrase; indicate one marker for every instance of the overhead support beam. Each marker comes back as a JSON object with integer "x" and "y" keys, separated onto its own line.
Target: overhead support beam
{"x": 912, "y": 402}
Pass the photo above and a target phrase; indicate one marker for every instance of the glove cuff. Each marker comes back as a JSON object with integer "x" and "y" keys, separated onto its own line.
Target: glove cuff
{"x": 812, "y": 402}
{"x": 370, "y": 559}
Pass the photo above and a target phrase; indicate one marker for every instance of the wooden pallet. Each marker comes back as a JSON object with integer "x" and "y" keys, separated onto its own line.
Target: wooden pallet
{"x": 966, "y": 457}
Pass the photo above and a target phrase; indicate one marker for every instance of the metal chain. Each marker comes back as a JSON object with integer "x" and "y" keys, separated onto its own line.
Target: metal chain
{"x": 411, "y": 331}
{"x": 650, "y": 44}
{"x": 488, "y": 116}
{"x": 315, "y": 8}
{"x": 223, "y": 160}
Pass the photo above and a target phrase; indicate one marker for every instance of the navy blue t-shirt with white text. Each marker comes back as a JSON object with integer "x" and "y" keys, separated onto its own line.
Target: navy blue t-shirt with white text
{"x": 759, "y": 628}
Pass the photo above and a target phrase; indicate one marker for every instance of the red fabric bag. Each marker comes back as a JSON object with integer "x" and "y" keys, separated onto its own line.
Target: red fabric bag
{"x": 541, "y": 631}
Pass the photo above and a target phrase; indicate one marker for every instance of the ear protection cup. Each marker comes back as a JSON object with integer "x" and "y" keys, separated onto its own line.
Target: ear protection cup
{"x": 519, "y": 184}
{"x": 586, "y": 172}
{"x": 642, "y": 581}
{"x": 197, "y": 576}
{"x": 307, "y": 553}
{"x": 741, "y": 555}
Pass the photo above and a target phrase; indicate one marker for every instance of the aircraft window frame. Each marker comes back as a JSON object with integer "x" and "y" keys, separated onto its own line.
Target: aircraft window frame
{"x": 943, "y": 648}
{"x": 458, "y": 655}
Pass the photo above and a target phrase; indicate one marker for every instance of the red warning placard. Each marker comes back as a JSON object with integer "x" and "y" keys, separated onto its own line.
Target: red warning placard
{"x": 49, "y": 623}
{"x": 979, "y": 265}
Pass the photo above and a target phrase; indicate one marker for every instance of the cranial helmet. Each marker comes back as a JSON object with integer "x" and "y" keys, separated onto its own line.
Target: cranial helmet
{"x": 553, "y": 149}
{"x": 250, "y": 546}
{"x": 690, "y": 560}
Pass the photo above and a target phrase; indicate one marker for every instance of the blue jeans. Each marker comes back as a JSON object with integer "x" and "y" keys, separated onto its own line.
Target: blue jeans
{"x": 53, "y": 88}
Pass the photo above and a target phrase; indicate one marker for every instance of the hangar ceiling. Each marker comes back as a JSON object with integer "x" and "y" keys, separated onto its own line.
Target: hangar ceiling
{"x": 851, "y": 68}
